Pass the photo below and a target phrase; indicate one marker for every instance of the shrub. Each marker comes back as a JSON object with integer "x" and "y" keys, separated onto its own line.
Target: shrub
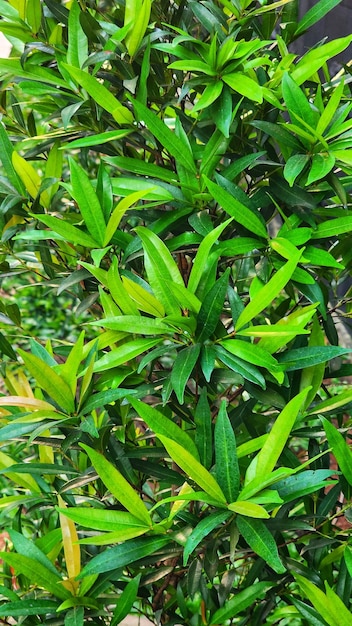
{"x": 178, "y": 171}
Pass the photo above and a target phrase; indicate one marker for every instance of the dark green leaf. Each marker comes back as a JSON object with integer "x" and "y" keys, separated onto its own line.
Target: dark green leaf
{"x": 204, "y": 434}
{"x": 261, "y": 541}
{"x": 298, "y": 358}
{"x": 340, "y": 449}
{"x": 209, "y": 523}
{"x": 182, "y": 369}
{"x": 126, "y": 600}
{"x": 241, "y": 601}
{"x": 227, "y": 469}
{"x": 124, "y": 554}
{"x": 28, "y": 607}
{"x": 211, "y": 309}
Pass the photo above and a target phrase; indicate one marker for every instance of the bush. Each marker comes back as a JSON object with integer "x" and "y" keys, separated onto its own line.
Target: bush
{"x": 181, "y": 174}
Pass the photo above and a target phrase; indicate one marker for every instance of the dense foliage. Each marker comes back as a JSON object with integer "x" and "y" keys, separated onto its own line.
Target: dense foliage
{"x": 177, "y": 176}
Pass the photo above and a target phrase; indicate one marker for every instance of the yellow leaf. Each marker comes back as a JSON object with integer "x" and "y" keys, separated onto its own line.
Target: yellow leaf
{"x": 71, "y": 548}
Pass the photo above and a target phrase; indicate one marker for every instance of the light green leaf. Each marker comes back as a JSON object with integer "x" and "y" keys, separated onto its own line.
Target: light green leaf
{"x": 124, "y": 353}
{"x": 77, "y": 49}
{"x": 203, "y": 254}
{"x": 119, "y": 212}
{"x": 88, "y": 203}
{"x": 261, "y": 541}
{"x": 249, "y": 509}
{"x": 160, "y": 268}
{"x": 340, "y": 449}
{"x": 37, "y": 573}
{"x": 97, "y": 139}
{"x": 136, "y": 324}
{"x": 67, "y": 231}
{"x": 268, "y": 456}
{"x": 160, "y": 424}
{"x": 100, "y": 94}
{"x": 47, "y": 379}
{"x": 332, "y": 228}
{"x": 269, "y": 292}
{"x": 118, "y": 485}
{"x": 294, "y": 166}
{"x": 322, "y": 164}
{"x": 210, "y": 93}
{"x": 193, "y": 468}
{"x": 331, "y": 608}
{"x": 244, "y": 85}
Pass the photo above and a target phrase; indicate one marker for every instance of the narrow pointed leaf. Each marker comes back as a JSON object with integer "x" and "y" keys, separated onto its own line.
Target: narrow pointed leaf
{"x": 186, "y": 461}
{"x": 240, "y": 602}
{"x": 124, "y": 554}
{"x": 124, "y": 353}
{"x": 202, "y": 255}
{"x": 88, "y": 202}
{"x": 211, "y": 309}
{"x": 47, "y": 379}
{"x": 118, "y": 485}
{"x": 340, "y": 449}
{"x": 37, "y": 573}
{"x": 241, "y": 214}
{"x": 182, "y": 369}
{"x": 227, "y": 469}
{"x": 266, "y": 295}
{"x": 173, "y": 144}
{"x": 126, "y": 601}
{"x": 204, "y": 434}
{"x": 261, "y": 541}
{"x": 249, "y": 509}
{"x": 209, "y": 523}
{"x": 160, "y": 424}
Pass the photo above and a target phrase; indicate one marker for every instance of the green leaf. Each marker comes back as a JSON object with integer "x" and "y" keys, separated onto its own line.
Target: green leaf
{"x": 211, "y": 309}
{"x": 202, "y": 256}
{"x": 75, "y": 616}
{"x": 227, "y": 469}
{"x": 28, "y": 607}
{"x": 124, "y": 353}
{"x": 332, "y": 404}
{"x": 297, "y": 104}
{"x": 340, "y": 449}
{"x": 97, "y": 139}
{"x": 124, "y": 554}
{"x": 136, "y": 324}
{"x": 37, "y": 573}
{"x": 299, "y": 358}
{"x": 193, "y": 468}
{"x": 47, "y": 379}
{"x": 328, "y": 605}
{"x": 100, "y": 94}
{"x": 247, "y": 371}
{"x": 303, "y": 483}
{"x": 126, "y": 600}
{"x": 310, "y": 615}
{"x": 67, "y": 231}
{"x": 268, "y": 456}
{"x": 244, "y": 85}
{"x": 261, "y": 541}
{"x": 205, "y": 526}
{"x": 6, "y": 151}
{"x": 348, "y": 559}
{"x": 314, "y": 14}
{"x": 322, "y": 164}
{"x": 315, "y": 58}
{"x": 252, "y": 353}
{"x": 118, "y": 485}
{"x": 240, "y": 602}
{"x": 160, "y": 424}
{"x": 182, "y": 369}
{"x": 26, "y": 547}
{"x": 210, "y": 93}
{"x": 160, "y": 268}
{"x": 77, "y": 49}
{"x": 241, "y": 214}
{"x": 332, "y": 228}
{"x": 269, "y": 292}
{"x": 88, "y": 203}
{"x": 173, "y": 144}
{"x": 294, "y": 166}
{"x": 122, "y": 525}
{"x": 249, "y": 509}
{"x": 204, "y": 434}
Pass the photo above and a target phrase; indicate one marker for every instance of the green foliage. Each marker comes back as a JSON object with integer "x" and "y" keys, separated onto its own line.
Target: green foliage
{"x": 177, "y": 176}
